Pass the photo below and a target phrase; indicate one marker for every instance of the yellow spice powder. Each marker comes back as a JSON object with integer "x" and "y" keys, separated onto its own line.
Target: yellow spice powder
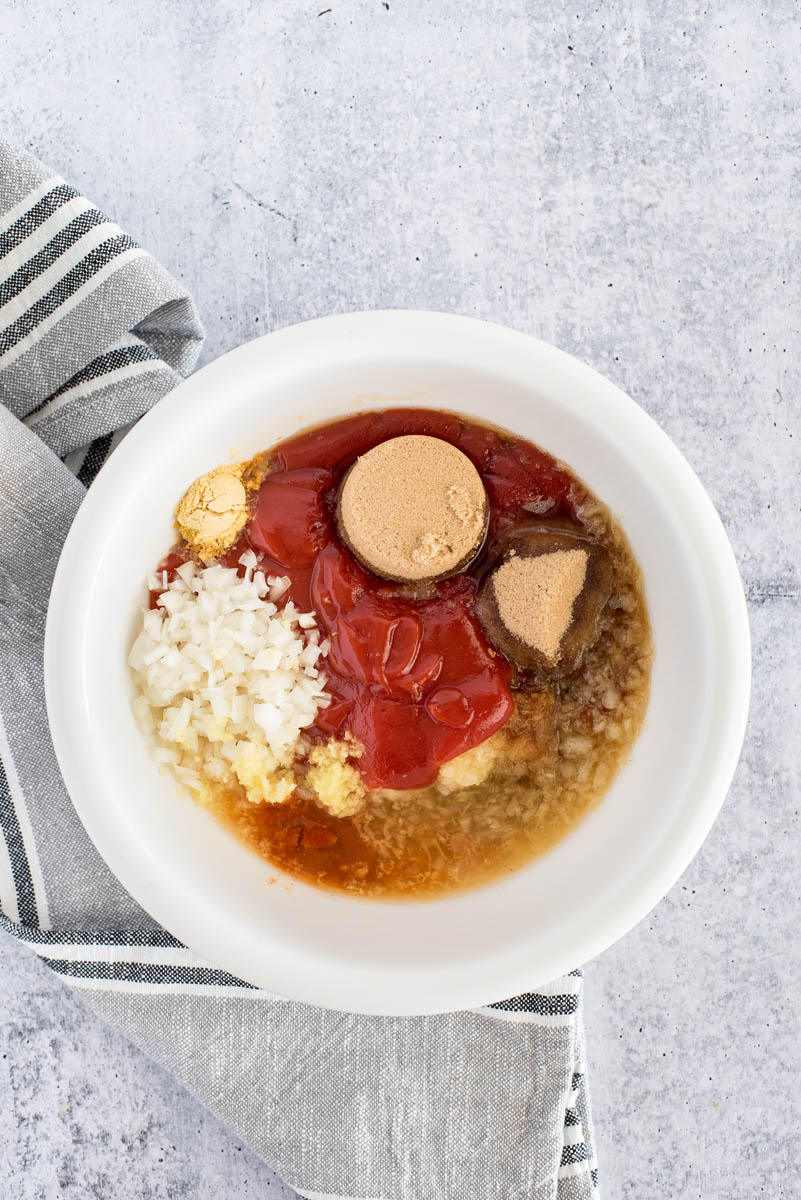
{"x": 213, "y": 511}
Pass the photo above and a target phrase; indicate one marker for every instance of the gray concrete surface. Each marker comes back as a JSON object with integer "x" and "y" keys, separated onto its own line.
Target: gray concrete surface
{"x": 621, "y": 179}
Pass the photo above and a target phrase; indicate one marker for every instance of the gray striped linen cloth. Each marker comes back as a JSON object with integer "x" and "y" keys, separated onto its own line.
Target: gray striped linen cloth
{"x": 483, "y": 1105}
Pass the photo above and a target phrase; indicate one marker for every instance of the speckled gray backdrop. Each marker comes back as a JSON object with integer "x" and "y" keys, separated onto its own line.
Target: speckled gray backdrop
{"x": 618, "y": 179}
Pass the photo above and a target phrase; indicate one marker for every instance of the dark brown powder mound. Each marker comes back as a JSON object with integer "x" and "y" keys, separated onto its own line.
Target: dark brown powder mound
{"x": 540, "y": 605}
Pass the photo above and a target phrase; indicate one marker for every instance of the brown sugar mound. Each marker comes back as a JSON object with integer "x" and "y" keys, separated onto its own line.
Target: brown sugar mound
{"x": 541, "y": 605}
{"x": 413, "y": 508}
{"x": 535, "y": 597}
{"x": 213, "y": 511}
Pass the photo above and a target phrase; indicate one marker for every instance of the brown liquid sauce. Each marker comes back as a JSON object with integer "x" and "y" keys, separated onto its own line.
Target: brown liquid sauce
{"x": 420, "y": 842}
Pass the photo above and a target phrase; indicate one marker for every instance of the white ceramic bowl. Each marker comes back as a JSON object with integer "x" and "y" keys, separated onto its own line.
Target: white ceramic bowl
{"x": 409, "y": 957}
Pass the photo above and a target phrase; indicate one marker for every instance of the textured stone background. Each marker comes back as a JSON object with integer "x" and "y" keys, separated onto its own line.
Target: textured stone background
{"x": 621, "y": 179}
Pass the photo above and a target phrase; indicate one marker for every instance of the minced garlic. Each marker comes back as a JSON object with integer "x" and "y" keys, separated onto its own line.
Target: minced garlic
{"x": 259, "y": 771}
{"x": 472, "y": 767}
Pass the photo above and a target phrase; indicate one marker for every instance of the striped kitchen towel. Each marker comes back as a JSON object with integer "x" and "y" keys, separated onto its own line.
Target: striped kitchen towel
{"x": 483, "y": 1105}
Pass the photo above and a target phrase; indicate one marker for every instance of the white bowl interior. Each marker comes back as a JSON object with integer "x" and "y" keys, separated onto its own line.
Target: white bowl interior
{"x": 468, "y": 948}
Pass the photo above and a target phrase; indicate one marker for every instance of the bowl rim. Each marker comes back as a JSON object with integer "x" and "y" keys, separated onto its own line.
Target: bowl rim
{"x": 63, "y": 659}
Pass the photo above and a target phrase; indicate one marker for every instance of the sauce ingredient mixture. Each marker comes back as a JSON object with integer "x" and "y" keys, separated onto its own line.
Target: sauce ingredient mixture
{"x": 399, "y": 654}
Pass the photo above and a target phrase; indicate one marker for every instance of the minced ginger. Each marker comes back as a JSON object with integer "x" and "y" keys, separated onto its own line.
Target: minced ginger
{"x": 334, "y": 779}
{"x": 331, "y": 776}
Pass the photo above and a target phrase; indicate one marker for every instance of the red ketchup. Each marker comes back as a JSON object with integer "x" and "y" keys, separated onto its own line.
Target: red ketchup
{"x": 413, "y": 680}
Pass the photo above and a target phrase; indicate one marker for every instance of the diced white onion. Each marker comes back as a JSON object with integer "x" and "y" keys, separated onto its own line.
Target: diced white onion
{"x": 225, "y": 679}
